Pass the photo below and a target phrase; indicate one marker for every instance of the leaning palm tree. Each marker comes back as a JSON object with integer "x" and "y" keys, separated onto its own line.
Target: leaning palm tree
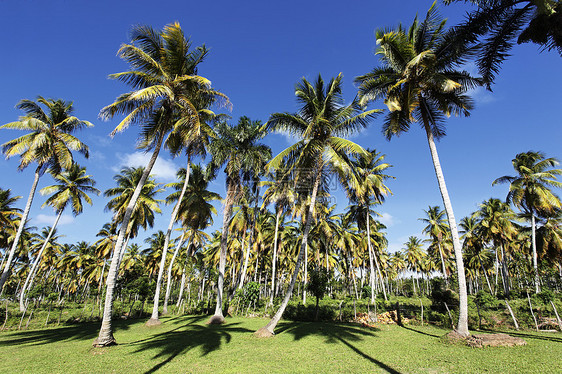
{"x": 73, "y": 187}
{"x": 319, "y": 123}
{"x": 529, "y": 191}
{"x": 165, "y": 97}
{"x": 420, "y": 82}
{"x": 49, "y": 143}
{"x": 238, "y": 147}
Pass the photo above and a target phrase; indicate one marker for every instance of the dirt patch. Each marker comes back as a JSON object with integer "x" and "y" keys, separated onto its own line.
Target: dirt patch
{"x": 153, "y": 322}
{"x": 494, "y": 340}
{"x": 215, "y": 320}
{"x": 483, "y": 340}
{"x": 263, "y": 333}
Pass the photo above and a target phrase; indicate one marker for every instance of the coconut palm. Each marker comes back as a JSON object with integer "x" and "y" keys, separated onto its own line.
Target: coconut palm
{"x": 49, "y": 143}
{"x": 473, "y": 246}
{"x": 146, "y": 207}
{"x": 195, "y": 212}
{"x": 420, "y": 82}
{"x": 529, "y": 191}
{"x": 166, "y": 99}
{"x": 280, "y": 193}
{"x": 370, "y": 190}
{"x": 238, "y": 148}
{"x": 72, "y": 188}
{"x": 319, "y": 123}
{"x": 495, "y": 221}
{"x": 414, "y": 254}
{"x": 8, "y": 215}
{"x": 499, "y": 23}
{"x": 437, "y": 229}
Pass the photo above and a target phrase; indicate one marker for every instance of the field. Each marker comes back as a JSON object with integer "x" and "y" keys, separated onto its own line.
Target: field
{"x": 186, "y": 344}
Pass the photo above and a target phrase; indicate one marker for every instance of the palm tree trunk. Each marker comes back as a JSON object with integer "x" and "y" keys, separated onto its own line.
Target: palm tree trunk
{"x": 23, "y": 221}
{"x": 277, "y": 218}
{"x": 444, "y": 269}
{"x": 182, "y": 286}
{"x": 218, "y": 317}
{"x": 305, "y": 274}
{"x": 268, "y": 329}
{"x": 169, "y": 278}
{"x": 372, "y": 268}
{"x": 250, "y": 240}
{"x": 535, "y": 260}
{"x": 462, "y": 327}
{"x": 31, "y": 274}
{"x": 105, "y": 336}
{"x": 154, "y": 317}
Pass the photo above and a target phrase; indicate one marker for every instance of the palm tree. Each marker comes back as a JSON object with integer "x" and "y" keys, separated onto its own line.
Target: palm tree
{"x": 49, "y": 143}
{"x": 473, "y": 246}
{"x": 414, "y": 254}
{"x": 165, "y": 100}
{"x": 147, "y": 204}
{"x": 73, "y": 187}
{"x": 437, "y": 229}
{"x": 419, "y": 82}
{"x": 500, "y": 22}
{"x": 279, "y": 192}
{"x": 195, "y": 211}
{"x": 496, "y": 225}
{"x": 529, "y": 191}
{"x": 320, "y": 122}
{"x": 370, "y": 190}
{"x": 238, "y": 148}
{"x": 8, "y": 213}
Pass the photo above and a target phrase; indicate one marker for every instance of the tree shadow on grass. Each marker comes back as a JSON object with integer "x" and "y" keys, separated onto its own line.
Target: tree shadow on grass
{"x": 334, "y": 333}
{"x": 420, "y": 332}
{"x": 169, "y": 344}
{"x": 79, "y": 331}
{"x": 557, "y": 339}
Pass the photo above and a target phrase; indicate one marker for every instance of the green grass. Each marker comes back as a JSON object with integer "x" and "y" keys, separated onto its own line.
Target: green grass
{"x": 187, "y": 344}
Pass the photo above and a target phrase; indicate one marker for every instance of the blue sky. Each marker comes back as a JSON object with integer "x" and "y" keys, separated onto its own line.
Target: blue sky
{"x": 259, "y": 50}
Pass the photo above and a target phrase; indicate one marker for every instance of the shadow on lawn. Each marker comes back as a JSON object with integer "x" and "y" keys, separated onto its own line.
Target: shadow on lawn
{"x": 527, "y": 335}
{"x": 80, "y": 331}
{"x": 419, "y": 332}
{"x": 334, "y": 333}
{"x": 181, "y": 339}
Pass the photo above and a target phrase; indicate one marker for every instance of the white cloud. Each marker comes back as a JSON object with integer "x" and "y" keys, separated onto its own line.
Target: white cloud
{"x": 163, "y": 168}
{"x": 50, "y": 220}
{"x": 387, "y": 219}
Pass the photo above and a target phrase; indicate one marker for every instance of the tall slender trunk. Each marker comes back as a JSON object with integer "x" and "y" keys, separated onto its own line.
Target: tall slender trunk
{"x": 105, "y": 336}
{"x": 250, "y": 241}
{"x": 462, "y": 327}
{"x": 270, "y": 327}
{"x": 8, "y": 264}
{"x": 485, "y": 275}
{"x": 444, "y": 269}
{"x": 535, "y": 259}
{"x": 371, "y": 266}
{"x": 154, "y": 317}
{"x": 31, "y": 274}
{"x": 169, "y": 278}
{"x": 182, "y": 286}
{"x": 305, "y": 274}
{"x": 273, "y": 262}
{"x": 218, "y": 317}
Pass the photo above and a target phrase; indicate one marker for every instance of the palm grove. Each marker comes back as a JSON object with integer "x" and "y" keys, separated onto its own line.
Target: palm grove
{"x": 280, "y": 237}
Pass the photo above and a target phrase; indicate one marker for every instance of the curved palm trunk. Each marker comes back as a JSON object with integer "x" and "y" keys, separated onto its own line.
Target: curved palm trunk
{"x": 169, "y": 278}
{"x": 378, "y": 267}
{"x": 154, "y": 318}
{"x": 218, "y": 317}
{"x": 535, "y": 259}
{"x": 462, "y": 327}
{"x": 105, "y": 336}
{"x": 24, "y": 216}
{"x": 277, "y": 218}
{"x": 268, "y": 329}
{"x": 250, "y": 240}
{"x": 31, "y": 275}
{"x": 443, "y": 268}
{"x": 182, "y": 286}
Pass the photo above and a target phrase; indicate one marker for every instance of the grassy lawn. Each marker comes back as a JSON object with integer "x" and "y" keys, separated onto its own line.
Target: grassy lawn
{"x": 186, "y": 344}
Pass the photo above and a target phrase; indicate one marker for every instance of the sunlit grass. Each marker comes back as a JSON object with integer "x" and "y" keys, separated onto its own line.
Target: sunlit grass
{"x": 187, "y": 344}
